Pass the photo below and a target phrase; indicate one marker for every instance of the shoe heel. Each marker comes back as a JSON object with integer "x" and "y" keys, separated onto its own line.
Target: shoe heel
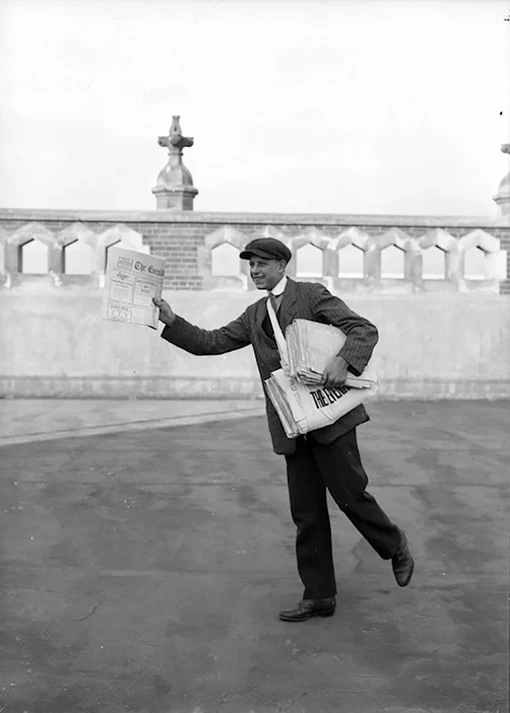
{"x": 327, "y": 613}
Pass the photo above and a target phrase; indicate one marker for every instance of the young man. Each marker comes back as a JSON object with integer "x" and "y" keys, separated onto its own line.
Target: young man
{"x": 325, "y": 459}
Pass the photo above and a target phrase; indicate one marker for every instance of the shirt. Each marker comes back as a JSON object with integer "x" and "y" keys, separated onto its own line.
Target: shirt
{"x": 278, "y": 291}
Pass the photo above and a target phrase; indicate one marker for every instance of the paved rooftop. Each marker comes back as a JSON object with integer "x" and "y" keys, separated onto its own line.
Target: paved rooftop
{"x": 146, "y": 556}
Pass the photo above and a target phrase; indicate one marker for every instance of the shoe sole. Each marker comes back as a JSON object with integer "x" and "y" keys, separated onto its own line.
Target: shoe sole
{"x": 308, "y": 616}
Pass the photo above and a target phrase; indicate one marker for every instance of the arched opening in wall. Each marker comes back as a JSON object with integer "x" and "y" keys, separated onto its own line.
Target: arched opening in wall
{"x": 475, "y": 264}
{"x": 434, "y": 263}
{"x": 309, "y": 261}
{"x": 33, "y": 258}
{"x": 225, "y": 261}
{"x": 351, "y": 261}
{"x": 392, "y": 263}
{"x": 77, "y": 258}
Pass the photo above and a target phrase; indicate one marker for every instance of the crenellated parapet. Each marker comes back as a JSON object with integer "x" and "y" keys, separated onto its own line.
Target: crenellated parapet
{"x": 365, "y": 254}
{"x": 72, "y": 256}
{"x": 364, "y": 260}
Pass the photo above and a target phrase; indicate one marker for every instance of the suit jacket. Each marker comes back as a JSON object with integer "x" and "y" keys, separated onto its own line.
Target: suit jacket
{"x": 301, "y": 300}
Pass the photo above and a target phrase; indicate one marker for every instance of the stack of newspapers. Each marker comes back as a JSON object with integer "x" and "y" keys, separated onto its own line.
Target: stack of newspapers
{"x": 296, "y": 390}
{"x": 310, "y": 346}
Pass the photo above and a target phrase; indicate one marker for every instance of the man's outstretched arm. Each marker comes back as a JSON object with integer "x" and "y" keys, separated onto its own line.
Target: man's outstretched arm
{"x": 195, "y": 340}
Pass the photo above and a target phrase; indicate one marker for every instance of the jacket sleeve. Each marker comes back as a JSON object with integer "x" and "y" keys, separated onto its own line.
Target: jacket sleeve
{"x": 362, "y": 335}
{"x": 195, "y": 340}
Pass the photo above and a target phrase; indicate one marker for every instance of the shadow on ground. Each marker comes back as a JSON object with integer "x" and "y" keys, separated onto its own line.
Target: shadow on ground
{"x": 142, "y": 572}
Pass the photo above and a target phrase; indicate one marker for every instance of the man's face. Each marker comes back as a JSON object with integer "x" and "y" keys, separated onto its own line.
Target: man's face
{"x": 266, "y": 273}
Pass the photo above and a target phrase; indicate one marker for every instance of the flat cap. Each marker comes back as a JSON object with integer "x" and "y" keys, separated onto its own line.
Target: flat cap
{"x": 267, "y": 248}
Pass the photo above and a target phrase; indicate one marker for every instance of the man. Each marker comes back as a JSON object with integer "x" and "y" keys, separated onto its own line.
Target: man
{"x": 325, "y": 459}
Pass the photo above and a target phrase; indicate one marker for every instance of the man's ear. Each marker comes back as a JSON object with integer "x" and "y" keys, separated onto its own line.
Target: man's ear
{"x": 282, "y": 266}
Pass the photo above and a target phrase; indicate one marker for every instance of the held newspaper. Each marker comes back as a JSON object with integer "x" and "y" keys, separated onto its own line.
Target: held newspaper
{"x": 132, "y": 279}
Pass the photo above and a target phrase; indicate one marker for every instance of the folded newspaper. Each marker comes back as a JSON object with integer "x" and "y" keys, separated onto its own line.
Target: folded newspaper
{"x": 296, "y": 391}
{"x": 303, "y": 408}
{"x": 311, "y": 345}
{"x": 132, "y": 279}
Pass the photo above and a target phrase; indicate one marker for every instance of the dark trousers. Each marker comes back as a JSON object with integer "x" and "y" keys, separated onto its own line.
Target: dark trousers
{"x": 312, "y": 470}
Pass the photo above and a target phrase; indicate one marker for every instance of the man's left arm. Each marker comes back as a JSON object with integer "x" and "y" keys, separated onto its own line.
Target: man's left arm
{"x": 361, "y": 336}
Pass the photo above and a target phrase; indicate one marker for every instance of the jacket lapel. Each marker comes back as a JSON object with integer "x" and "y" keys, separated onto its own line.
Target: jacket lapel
{"x": 287, "y": 312}
{"x": 260, "y": 314}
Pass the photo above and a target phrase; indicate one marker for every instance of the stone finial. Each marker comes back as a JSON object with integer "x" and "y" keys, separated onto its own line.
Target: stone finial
{"x": 502, "y": 197}
{"x": 175, "y": 189}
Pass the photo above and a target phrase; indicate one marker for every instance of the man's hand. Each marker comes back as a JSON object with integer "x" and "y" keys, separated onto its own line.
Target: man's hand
{"x": 335, "y": 372}
{"x": 166, "y": 314}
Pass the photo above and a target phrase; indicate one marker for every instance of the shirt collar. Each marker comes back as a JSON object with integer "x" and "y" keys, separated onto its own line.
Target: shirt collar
{"x": 279, "y": 288}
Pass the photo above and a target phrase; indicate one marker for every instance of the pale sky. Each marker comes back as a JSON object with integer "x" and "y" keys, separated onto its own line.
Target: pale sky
{"x": 327, "y": 106}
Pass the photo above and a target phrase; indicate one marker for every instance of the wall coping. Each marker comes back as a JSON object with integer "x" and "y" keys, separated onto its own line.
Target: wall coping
{"x": 163, "y": 216}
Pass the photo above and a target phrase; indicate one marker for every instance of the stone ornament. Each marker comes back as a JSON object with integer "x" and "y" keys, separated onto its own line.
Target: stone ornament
{"x": 174, "y": 189}
{"x": 502, "y": 197}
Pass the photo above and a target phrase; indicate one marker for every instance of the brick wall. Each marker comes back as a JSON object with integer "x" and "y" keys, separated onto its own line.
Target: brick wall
{"x": 179, "y": 245}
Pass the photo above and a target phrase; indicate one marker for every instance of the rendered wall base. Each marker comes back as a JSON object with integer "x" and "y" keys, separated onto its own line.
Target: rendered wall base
{"x": 229, "y": 388}
{"x": 55, "y": 344}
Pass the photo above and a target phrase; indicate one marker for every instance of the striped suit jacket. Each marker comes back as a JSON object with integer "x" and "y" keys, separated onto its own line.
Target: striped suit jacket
{"x": 301, "y": 300}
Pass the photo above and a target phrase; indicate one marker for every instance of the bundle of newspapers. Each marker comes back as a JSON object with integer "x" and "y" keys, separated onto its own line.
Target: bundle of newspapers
{"x": 310, "y": 346}
{"x": 296, "y": 390}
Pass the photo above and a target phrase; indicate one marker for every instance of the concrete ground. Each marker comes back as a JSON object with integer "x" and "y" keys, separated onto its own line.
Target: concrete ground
{"x": 146, "y": 555}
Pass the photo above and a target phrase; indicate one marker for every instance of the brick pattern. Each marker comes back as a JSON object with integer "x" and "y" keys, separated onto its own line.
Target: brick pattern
{"x": 178, "y": 244}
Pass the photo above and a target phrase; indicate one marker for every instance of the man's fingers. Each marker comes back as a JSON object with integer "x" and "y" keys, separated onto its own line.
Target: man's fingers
{"x": 332, "y": 382}
{"x": 162, "y": 304}
{"x": 328, "y": 382}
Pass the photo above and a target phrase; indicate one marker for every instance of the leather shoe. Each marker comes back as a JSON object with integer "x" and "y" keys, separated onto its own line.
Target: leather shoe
{"x": 403, "y": 563}
{"x": 308, "y": 608}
